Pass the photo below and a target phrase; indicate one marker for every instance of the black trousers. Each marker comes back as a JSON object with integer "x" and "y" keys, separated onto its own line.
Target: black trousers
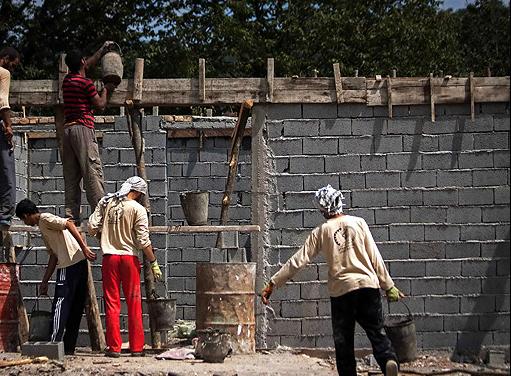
{"x": 7, "y": 178}
{"x": 68, "y": 304}
{"x": 364, "y": 307}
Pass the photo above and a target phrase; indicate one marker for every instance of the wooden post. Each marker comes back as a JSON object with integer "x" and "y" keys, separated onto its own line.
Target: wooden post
{"x": 138, "y": 79}
{"x": 202, "y": 80}
{"x": 239, "y": 129}
{"x": 472, "y": 95}
{"x": 394, "y": 73}
{"x": 338, "y": 83}
{"x": 270, "y": 75}
{"x": 432, "y": 97}
{"x": 134, "y": 117}
{"x": 488, "y": 71}
{"x": 356, "y": 72}
{"x": 389, "y": 96}
{"x": 59, "y": 108}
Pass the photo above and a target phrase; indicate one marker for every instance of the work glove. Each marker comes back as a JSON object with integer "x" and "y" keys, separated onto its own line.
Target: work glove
{"x": 266, "y": 292}
{"x": 155, "y": 268}
{"x": 393, "y": 294}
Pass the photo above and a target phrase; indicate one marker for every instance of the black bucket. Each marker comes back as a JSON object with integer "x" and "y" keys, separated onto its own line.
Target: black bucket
{"x": 195, "y": 207}
{"x": 40, "y": 325}
{"x": 163, "y": 311}
{"x": 401, "y": 333}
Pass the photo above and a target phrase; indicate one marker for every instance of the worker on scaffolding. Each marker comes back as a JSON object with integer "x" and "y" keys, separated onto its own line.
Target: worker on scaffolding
{"x": 123, "y": 224}
{"x": 68, "y": 253}
{"x": 356, "y": 272}
{"x": 80, "y": 157}
{"x": 9, "y": 59}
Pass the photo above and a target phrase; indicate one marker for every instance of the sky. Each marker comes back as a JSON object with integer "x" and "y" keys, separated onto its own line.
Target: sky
{"x": 457, "y": 4}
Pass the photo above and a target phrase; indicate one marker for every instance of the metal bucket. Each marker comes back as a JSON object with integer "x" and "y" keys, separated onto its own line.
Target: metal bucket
{"x": 40, "y": 325}
{"x": 225, "y": 297}
{"x": 8, "y": 308}
{"x": 111, "y": 67}
{"x": 403, "y": 337}
{"x": 164, "y": 312}
{"x": 195, "y": 207}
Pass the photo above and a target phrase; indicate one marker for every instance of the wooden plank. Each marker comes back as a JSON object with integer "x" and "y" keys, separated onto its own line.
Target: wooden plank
{"x": 138, "y": 79}
{"x": 338, "y": 83}
{"x": 472, "y": 96}
{"x": 432, "y": 96}
{"x": 389, "y": 96}
{"x": 488, "y": 94}
{"x": 270, "y": 76}
{"x": 202, "y": 80}
{"x": 193, "y": 133}
{"x": 51, "y": 134}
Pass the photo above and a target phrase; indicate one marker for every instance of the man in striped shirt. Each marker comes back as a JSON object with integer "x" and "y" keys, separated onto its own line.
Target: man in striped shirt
{"x": 80, "y": 157}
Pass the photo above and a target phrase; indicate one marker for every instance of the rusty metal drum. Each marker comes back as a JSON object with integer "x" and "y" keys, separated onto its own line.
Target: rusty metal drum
{"x": 8, "y": 307}
{"x": 225, "y": 300}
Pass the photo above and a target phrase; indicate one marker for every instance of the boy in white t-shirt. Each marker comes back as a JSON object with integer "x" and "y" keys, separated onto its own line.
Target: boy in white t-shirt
{"x": 68, "y": 254}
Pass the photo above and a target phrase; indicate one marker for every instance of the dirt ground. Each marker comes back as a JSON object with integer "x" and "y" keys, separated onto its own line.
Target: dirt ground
{"x": 277, "y": 362}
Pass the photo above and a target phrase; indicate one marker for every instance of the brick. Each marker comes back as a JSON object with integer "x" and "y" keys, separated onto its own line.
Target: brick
{"x": 359, "y": 145}
{"x": 475, "y": 268}
{"x": 426, "y": 214}
{"x": 495, "y": 108}
{"x": 387, "y": 144}
{"x": 380, "y": 233}
{"x": 312, "y": 218}
{"x": 496, "y": 214}
{"x": 442, "y": 268}
{"x": 502, "y": 231}
{"x": 367, "y": 214}
{"x": 212, "y": 155}
{"x": 315, "y": 146}
{"x": 503, "y": 267}
{"x": 116, "y": 140}
{"x": 299, "y": 200}
{"x": 429, "y": 323}
{"x": 445, "y": 196}
{"x": 454, "y": 178}
{"x": 420, "y": 143}
{"x": 342, "y": 163}
{"x": 440, "y": 126}
{"x": 482, "y": 123}
{"x": 394, "y": 250}
{"x": 463, "y": 286}
{"x": 477, "y": 232}
{"x": 294, "y": 237}
{"x": 439, "y": 340}
{"x": 414, "y": 179}
{"x": 392, "y": 215}
{"x": 456, "y": 142}
{"x": 287, "y": 219}
{"x": 469, "y": 214}
{"x": 319, "y": 111}
{"x": 443, "y": 304}
{"x": 404, "y": 161}
{"x": 352, "y": 181}
{"x": 368, "y": 198}
{"x": 428, "y": 286}
{"x": 283, "y": 111}
{"x": 497, "y": 321}
{"x": 404, "y": 126}
{"x": 461, "y": 322}
{"x": 314, "y": 290}
{"x": 427, "y": 250}
{"x": 478, "y": 304}
{"x": 495, "y": 140}
{"x": 299, "y": 309}
{"x": 462, "y": 250}
{"x": 307, "y": 164}
{"x": 368, "y": 127}
{"x": 320, "y": 325}
{"x": 287, "y": 183}
{"x": 415, "y": 304}
{"x": 382, "y": 180}
{"x": 475, "y": 159}
{"x": 301, "y": 128}
{"x": 286, "y": 147}
{"x": 441, "y": 232}
{"x": 354, "y": 110}
{"x": 501, "y": 158}
{"x": 407, "y": 232}
{"x": 490, "y": 177}
{"x": 372, "y": 162}
{"x": 501, "y": 123}
{"x": 475, "y": 196}
{"x": 502, "y": 195}
{"x": 498, "y": 248}
{"x": 405, "y": 197}
{"x": 335, "y": 127}
{"x": 434, "y": 161}
{"x": 407, "y": 268}
{"x": 298, "y": 341}
{"x": 314, "y": 182}
{"x": 213, "y": 183}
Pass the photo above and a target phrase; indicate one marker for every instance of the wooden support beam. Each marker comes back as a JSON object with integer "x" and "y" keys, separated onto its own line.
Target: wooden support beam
{"x": 472, "y": 95}
{"x": 338, "y": 83}
{"x": 432, "y": 96}
{"x": 389, "y": 96}
{"x": 138, "y": 79}
{"x": 156, "y": 110}
{"x": 270, "y": 76}
{"x": 63, "y": 69}
{"x": 394, "y": 73}
{"x": 59, "y": 108}
{"x": 202, "y": 80}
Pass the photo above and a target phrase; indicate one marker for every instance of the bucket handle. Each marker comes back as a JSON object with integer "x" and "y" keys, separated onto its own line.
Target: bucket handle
{"x": 407, "y": 308}
{"x": 118, "y": 48}
{"x": 36, "y": 301}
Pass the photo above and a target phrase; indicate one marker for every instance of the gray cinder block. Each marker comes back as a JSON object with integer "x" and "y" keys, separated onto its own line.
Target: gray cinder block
{"x": 52, "y": 350}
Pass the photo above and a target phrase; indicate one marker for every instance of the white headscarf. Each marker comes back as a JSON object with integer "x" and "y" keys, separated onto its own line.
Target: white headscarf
{"x": 329, "y": 200}
{"x": 135, "y": 183}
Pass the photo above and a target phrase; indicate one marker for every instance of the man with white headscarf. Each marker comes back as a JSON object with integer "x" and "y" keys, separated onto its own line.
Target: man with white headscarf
{"x": 356, "y": 272}
{"x": 123, "y": 224}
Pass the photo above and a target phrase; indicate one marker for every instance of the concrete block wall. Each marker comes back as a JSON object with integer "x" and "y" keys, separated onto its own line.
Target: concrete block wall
{"x": 435, "y": 195}
{"x": 172, "y": 166}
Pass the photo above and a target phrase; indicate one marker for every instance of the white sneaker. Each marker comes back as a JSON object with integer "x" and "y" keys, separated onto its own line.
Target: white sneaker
{"x": 391, "y": 368}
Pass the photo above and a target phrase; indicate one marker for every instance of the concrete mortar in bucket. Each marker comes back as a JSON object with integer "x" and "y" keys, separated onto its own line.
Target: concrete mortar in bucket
{"x": 401, "y": 332}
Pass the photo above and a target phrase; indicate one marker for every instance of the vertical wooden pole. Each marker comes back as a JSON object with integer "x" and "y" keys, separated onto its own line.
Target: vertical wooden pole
{"x": 389, "y": 96}
{"x": 432, "y": 96}
{"x": 356, "y": 72}
{"x": 472, "y": 95}
{"x": 202, "y": 80}
{"x": 138, "y": 80}
{"x": 394, "y": 73}
{"x": 59, "y": 109}
{"x": 338, "y": 83}
{"x": 135, "y": 116}
{"x": 270, "y": 66}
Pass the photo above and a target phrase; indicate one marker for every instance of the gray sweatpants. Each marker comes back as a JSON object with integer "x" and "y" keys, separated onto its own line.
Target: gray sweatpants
{"x": 81, "y": 161}
{"x": 7, "y": 178}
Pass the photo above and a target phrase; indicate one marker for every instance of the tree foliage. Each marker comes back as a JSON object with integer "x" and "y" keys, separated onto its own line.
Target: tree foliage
{"x": 237, "y": 36}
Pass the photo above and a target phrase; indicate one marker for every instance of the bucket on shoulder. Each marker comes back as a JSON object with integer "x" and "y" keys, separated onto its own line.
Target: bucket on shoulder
{"x": 401, "y": 332}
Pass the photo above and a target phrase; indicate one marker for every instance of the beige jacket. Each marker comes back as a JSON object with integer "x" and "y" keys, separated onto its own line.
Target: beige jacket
{"x": 124, "y": 227}
{"x": 5, "y": 83}
{"x": 353, "y": 259}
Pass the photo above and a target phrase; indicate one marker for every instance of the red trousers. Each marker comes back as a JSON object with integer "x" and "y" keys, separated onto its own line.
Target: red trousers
{"x": 125, "y": 270}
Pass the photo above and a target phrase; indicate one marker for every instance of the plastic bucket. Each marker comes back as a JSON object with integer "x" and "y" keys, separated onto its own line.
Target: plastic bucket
{"x": 111, "y": 67}
{"x": 401, "y": 333}
{"x": 195, "y": 207}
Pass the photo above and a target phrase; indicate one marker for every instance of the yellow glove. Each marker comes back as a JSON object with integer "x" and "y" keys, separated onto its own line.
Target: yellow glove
{"x": 266, "y": 292}
{"x": 155, "y": 268}
{"x": 393, "y": 294}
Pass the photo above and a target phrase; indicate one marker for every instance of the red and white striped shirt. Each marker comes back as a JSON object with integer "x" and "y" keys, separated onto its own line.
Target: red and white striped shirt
{"x": 78, "y": 93}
